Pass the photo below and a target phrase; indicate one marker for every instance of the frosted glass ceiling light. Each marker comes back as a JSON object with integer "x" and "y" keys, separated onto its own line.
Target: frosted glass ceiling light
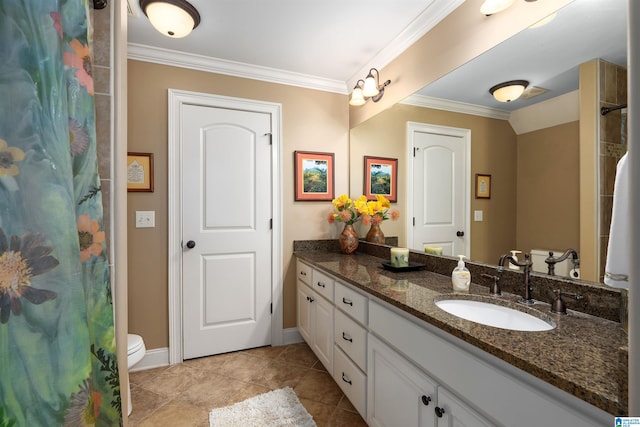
{"x": 370, "y": 85}
{"x": 369, "y": 88}
{"x": 489, "y": 7}
{"x": 357, "y": 98}
{"x": 508, "y": 91}
{"x": 173, "y": 18}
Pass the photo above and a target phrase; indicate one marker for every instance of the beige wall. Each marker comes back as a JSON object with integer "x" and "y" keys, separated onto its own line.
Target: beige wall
{"x": 548, "y": 192}
{"x": 493, "y": 152}
{"x": 312, "y": 120}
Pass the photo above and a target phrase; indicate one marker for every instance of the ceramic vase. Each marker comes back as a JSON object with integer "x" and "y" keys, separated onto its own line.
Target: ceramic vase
{"x": 375, "y": 234}
{"x": 348, "y": 239}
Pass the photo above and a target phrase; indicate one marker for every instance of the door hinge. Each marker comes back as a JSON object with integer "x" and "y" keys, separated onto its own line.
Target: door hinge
{"x": 271, "y": 224}
{"x": 414, "y": 151}
{"x": 271, "y": 309}
{"x": 270, "y": 138}
{"x": 414, "y": 221}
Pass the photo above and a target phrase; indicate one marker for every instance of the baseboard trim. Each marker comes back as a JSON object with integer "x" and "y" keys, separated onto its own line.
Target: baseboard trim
{"x": 155, "y": 358}
{"x": 291, "y": 336}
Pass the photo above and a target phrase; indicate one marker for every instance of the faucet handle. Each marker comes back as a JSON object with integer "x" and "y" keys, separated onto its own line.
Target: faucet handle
{"x": 558, "y": 306}
{"x": 494, "y": 288}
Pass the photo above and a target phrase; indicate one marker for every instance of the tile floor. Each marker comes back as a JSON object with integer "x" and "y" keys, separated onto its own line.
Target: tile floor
{"x": 183, "y": 395}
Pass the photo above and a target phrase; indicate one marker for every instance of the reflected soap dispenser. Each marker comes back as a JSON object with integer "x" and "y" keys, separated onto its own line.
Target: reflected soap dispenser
{"x": 461, "y": 277}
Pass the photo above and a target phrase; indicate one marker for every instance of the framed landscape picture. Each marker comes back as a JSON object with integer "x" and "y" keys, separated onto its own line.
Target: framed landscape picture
{"x": 381, "y": 178}
{"x": 313, "y": 176}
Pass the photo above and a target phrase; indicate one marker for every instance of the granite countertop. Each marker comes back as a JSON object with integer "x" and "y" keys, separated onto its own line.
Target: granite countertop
{"x": 580, "y": 355}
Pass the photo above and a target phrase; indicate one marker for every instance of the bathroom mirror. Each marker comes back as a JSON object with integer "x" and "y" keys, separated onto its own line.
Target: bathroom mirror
{"x": 533, "y": 160}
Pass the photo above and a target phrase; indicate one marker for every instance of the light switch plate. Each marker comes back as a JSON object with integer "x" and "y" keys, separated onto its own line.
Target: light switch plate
{"x": 145, "y": 219}
{"x": 477, "y": 216}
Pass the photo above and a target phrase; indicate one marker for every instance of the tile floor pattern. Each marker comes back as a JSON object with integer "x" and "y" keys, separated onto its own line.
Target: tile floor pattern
{"x": 183, "y": 395}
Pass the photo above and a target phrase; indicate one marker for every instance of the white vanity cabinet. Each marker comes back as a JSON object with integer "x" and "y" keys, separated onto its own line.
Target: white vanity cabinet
{"x": 315, "y": 314}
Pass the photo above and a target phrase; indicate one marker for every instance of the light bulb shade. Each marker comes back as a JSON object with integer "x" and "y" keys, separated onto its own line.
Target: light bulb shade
{"x": 489, "y": 7}
{"x": 370, "y": 87}
{"x": 509, "y": 91}
{"x": 356, "y": 97}
{"x": 173, "y": 18}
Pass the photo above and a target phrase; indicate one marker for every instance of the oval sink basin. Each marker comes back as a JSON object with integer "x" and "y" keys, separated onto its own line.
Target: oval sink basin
{"x": 494, "y": 315}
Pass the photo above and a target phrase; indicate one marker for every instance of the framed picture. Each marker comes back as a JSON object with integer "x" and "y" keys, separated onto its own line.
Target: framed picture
{"x": 140, "y": 172}
{"x": 381, "y": 178}
{"x": 313, "y": 176}
{"x": 483, "y": 186}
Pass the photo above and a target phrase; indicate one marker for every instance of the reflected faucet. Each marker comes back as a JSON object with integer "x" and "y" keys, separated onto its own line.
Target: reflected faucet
{"x": 551, "y": 261}
{"x": 526, "y": 268}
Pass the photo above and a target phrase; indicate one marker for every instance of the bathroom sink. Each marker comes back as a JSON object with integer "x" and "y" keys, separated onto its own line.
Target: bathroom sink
{"x": 494, "y": 315}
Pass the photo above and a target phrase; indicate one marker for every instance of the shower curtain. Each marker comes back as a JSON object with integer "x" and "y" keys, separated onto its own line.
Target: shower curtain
{"x": 58, "y": 361}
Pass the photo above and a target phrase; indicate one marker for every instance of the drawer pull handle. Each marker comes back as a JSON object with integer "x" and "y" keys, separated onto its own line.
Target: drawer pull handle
{"x": 310, "y": 299}
{"x": 426, "y": 400}
{"x": 346, "y": 301}
{"x": 439, "y": 411}
{"x": 346, "y": 379}
{"x": 346, "y": 338}
{"x": 303, "y": 273}
{"x": 322, "y": 285}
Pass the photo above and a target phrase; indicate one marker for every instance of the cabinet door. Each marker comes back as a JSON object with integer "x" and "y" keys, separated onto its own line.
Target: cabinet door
{"x": 323, "y": 332}
{"x": 453, "y": 412}
{"x": 305, "y": 315}
{"x": 398, "y": 393}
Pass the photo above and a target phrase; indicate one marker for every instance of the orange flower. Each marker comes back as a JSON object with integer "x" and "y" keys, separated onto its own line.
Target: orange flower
{"x": 80, "y": 60}
{"x": 331, "y": 218}
{"x": 90, "y": 238}
{"x": 395, "y": 214}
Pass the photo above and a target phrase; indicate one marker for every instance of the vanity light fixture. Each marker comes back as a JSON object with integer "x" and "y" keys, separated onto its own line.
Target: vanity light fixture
{"x": 509, "y": 91}
{"x": 173, "y": 18}
{"x": 489, "y": 7}
{"x": 369, "y": 88}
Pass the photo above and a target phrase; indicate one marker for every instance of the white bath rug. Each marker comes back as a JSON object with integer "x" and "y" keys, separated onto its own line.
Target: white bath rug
{"x": 277, "y": 408}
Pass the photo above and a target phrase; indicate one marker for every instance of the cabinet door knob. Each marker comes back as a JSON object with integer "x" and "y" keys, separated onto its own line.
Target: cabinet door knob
{"x": 345, "y": 379}
{"x": 322, "y": 285}
{"x": 426, "y": 400}
{"x": 439, "y": 411}
{"x": 346, "y": 338}
{"x": 311, "y": 299}
{"x": 346, "y": 301}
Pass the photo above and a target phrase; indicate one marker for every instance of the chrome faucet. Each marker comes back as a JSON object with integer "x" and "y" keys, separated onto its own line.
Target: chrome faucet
{"x": 551, "y": 261}
{"x": 526, "y": 269}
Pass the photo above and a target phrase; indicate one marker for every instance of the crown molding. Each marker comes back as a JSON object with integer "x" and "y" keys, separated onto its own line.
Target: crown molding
{"x": 191, "y": 61}
{"x": 456, "y": 107}
{"x": 429, "y": 18}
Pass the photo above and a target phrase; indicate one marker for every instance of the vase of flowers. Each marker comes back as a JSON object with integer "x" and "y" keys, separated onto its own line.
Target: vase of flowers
{"x": 348, "y": 211}
{"x": 377, "y": 211}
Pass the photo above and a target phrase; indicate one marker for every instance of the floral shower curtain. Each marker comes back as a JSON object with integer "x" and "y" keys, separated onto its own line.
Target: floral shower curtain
{"x": 58, "y": 361}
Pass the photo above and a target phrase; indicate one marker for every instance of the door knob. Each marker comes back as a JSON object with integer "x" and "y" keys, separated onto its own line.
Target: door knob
{"x": 191, "y": 244}
{"x": 439, "y": 411}
{"x": 460, "y": 233}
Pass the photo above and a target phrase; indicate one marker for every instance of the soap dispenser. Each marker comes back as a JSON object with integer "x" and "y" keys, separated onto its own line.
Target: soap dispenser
{"x": 461, "y": 277}
{"x": 514, "y": 255}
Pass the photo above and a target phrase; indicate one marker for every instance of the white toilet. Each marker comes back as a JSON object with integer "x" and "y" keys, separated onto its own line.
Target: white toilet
{"x": 135, "y": 353}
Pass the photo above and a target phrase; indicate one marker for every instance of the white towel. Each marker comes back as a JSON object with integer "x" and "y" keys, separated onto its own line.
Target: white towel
{"x": 618, "y": 254}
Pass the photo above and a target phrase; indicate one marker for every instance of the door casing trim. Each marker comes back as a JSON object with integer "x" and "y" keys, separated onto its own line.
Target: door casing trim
{"x": 465, "y": 134}
{"x": 177, "y": 98}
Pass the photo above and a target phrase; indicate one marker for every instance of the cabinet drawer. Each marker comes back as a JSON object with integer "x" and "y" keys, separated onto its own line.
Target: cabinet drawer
{"x": 351, "y": 380}
{"x": 352, "y": 338}
{"x": 352, "y": 303}
{"x": 304, "y": 272}
{"x": 322, "y": 284}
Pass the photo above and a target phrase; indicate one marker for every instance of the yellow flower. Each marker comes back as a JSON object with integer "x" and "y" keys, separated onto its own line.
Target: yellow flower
{"x": 342, "y": 201}
{"x": 383, "y": 201}
{"x": 8, "y": 157}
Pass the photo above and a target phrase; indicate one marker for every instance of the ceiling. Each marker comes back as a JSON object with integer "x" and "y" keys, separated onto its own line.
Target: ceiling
{"x": 546, "y": 56}
{"x": 329, "y": 45}
{"x": 333, "y": 42}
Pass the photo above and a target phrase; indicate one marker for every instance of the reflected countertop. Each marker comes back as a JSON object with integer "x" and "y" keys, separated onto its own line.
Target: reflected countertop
{"x": 584, "y": 355}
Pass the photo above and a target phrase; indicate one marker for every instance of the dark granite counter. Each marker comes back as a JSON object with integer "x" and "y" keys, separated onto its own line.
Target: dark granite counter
{"x": 581, "y": 355}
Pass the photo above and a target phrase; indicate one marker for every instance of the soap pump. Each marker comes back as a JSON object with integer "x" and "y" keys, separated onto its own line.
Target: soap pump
{"x": 461, "y": 277}
{"x": 514, "y": 255}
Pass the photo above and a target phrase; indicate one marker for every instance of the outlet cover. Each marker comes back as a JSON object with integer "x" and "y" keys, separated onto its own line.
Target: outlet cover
{"x": 145, "y": 219}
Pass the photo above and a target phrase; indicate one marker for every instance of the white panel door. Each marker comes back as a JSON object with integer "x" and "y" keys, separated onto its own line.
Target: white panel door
{"x": 226, "y": 213}
{"x": 439, "y": 179}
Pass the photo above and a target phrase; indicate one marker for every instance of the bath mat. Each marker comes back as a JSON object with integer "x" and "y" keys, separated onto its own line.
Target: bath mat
{"x": 277, "y": 408}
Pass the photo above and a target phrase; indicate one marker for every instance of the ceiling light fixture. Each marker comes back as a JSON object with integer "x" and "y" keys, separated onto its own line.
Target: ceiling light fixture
{"x": 173, "y": 18}
{"x": 489, "y": 7}
{"x": 509, "y": 91}
{"x": 369, "y": 88}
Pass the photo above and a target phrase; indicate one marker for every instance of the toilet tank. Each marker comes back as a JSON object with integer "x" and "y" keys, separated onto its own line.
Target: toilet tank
{"x": 539, "y": 255}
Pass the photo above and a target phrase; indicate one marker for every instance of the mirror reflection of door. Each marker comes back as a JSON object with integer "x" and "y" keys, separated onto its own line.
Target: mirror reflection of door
{"x": 439, "y": 189}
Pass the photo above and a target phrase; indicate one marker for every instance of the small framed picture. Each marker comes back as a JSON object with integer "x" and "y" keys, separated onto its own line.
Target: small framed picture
{"x": 483, "y": 186}
{"x": 313, "y": 176}
{"x": 381, "y": 178}
{"x": 140, "y": 172}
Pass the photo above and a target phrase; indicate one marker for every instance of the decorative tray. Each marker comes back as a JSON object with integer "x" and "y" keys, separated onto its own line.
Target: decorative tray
{"x": 411, "y": 267}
